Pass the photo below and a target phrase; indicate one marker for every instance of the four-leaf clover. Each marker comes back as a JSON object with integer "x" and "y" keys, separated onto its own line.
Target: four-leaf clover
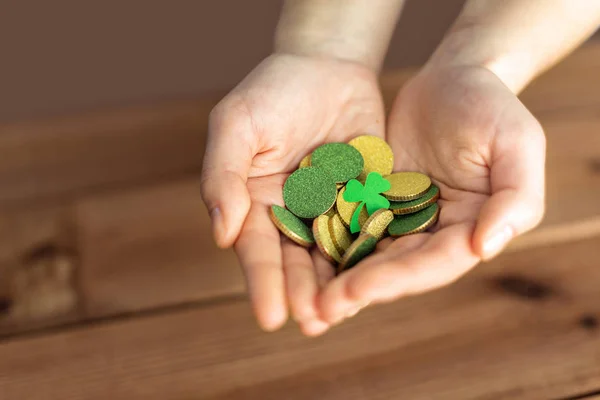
{"x": 368, "y": 195}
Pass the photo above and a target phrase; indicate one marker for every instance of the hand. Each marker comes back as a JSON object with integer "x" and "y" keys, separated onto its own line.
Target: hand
{"x": 258, "y": 133}
{"x": 465, "y": 129}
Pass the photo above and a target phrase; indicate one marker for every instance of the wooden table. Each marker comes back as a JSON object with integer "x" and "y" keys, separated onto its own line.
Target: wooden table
{"x": 110, "y": 287}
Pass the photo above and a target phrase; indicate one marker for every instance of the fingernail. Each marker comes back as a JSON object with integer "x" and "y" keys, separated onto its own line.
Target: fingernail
{"x": 315, "y": 328}
{"x": 217, "y": 223}
{"x": 496, "y": 242}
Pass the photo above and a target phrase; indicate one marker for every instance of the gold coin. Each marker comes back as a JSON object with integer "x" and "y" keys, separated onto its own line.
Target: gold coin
{"x": 342, "y": 238}
{"x": 323, "y": 238}
{"x": 377, "y": 223}
{"x": 377, "y": 154}
{"x": 331, "y": 212}
{"x": 412, "y": 206}
{"x": 346, "y": 209}
{"x": 407, "y": 186}
{"x": 305, "y": 162}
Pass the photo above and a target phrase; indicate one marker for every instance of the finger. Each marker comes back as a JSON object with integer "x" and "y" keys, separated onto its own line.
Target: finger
{"x": 517, "y": 183}
{"x": 324, "y": 272}
{"x": 383, "y": 244}
{"x": 227, "y": 159}
{"x": 259, "y": 251}
{"x": 335, "y": 304}
{"x": 405, "y": 244}
{"x": 301, "y": 281}
{"x": 416, "y": 264}
{"x": 323, "y": 268}
{"x": 314, "y": 328}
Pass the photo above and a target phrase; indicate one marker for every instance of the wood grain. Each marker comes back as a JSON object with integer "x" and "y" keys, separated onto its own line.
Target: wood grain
{"x": 132, "y": 249}
{"x": 38, "y": 265}
{"x": 570, "y": 86}
{"x": 522, "y": 326}
{"x": 150, "y": 247}
{"x": 67, "y": 156}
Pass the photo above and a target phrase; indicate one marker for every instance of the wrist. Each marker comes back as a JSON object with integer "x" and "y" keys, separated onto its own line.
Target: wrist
{"x": 358, "y": 31}
{"x": 318, "y": 45}
{"x": 479, "y": 46}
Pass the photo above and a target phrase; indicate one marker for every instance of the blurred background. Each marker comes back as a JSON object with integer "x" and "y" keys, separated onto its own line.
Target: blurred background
{"x": 111, "y": 286}
{"x": 68, "y": 55}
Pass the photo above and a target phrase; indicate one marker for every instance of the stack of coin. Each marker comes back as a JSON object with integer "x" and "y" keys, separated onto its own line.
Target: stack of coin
{"x": 314, "y": 197}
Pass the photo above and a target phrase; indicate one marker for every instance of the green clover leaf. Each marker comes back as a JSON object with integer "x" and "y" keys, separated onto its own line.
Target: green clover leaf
{"x": 369, "y": 196}
{"x": 377, "y": 202}
{"x": 354, "y": 191}
{"x": 377, "y": 183}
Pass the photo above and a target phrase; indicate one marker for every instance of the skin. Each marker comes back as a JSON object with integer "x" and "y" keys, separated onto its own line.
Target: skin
{"x": 263, "y": 133}
{"x": 459, "y": 120}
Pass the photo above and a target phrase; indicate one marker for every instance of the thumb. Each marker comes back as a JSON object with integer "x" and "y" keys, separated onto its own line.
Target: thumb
{"x": 517, "y": 185}
{"x": 227, "y": 160}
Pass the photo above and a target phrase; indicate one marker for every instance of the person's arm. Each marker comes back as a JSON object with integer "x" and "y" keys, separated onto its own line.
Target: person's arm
{"x": 318, "y": 86}
{"x": 518, "y": 39}
{"x": 351, "y": 30}
{"x": 460, "y": 121}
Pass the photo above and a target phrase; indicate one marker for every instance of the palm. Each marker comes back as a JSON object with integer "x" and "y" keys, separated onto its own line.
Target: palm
{"x": 460, "y": 127}
{"x": 292, "y": 105}
{"x": 311, "y": 103}
{"x": 449, "y": 140}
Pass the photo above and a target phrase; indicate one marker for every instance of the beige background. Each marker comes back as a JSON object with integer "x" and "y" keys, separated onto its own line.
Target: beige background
{"x": 63, "y": 56}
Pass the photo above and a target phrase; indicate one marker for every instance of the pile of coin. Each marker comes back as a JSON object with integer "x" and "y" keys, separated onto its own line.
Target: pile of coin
{"x": 345, "y": 198}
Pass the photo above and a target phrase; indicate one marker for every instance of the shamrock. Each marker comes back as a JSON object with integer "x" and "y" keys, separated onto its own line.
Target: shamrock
{"x": 368, "y": 195}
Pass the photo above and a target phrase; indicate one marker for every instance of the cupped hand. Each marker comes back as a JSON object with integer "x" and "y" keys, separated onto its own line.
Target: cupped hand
{"x": 466, "y": 130}
{"x": 258, "y": 133}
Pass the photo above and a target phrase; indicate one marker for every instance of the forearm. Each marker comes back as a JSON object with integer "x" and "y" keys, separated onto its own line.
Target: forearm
{"x": 518, "y": 39}
{"x": 353, "y": 30}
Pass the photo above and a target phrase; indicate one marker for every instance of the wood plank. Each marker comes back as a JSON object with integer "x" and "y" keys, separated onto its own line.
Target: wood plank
{"x": 584, "y": 396}
{"x": 522, "y": 326}
{"x": 66, "y": 156}
{"x": 570, "y": 85}
{"x": 573, "y": 180}
{"x": 38, "y": 266}
{"x": 549, "y": 234}
{"x": 127, "y": 251}
{"x": 150, "y": 247}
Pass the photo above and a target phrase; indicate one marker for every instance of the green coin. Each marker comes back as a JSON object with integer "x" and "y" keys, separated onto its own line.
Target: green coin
{"x": 291, "y": 226}
{"x": 309, "y": 192}
{"x": 341, "y": 160}
{"x": 359, "y": 249}
{"x": 414, "y": 223}
{"x": 409, "y": 207}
